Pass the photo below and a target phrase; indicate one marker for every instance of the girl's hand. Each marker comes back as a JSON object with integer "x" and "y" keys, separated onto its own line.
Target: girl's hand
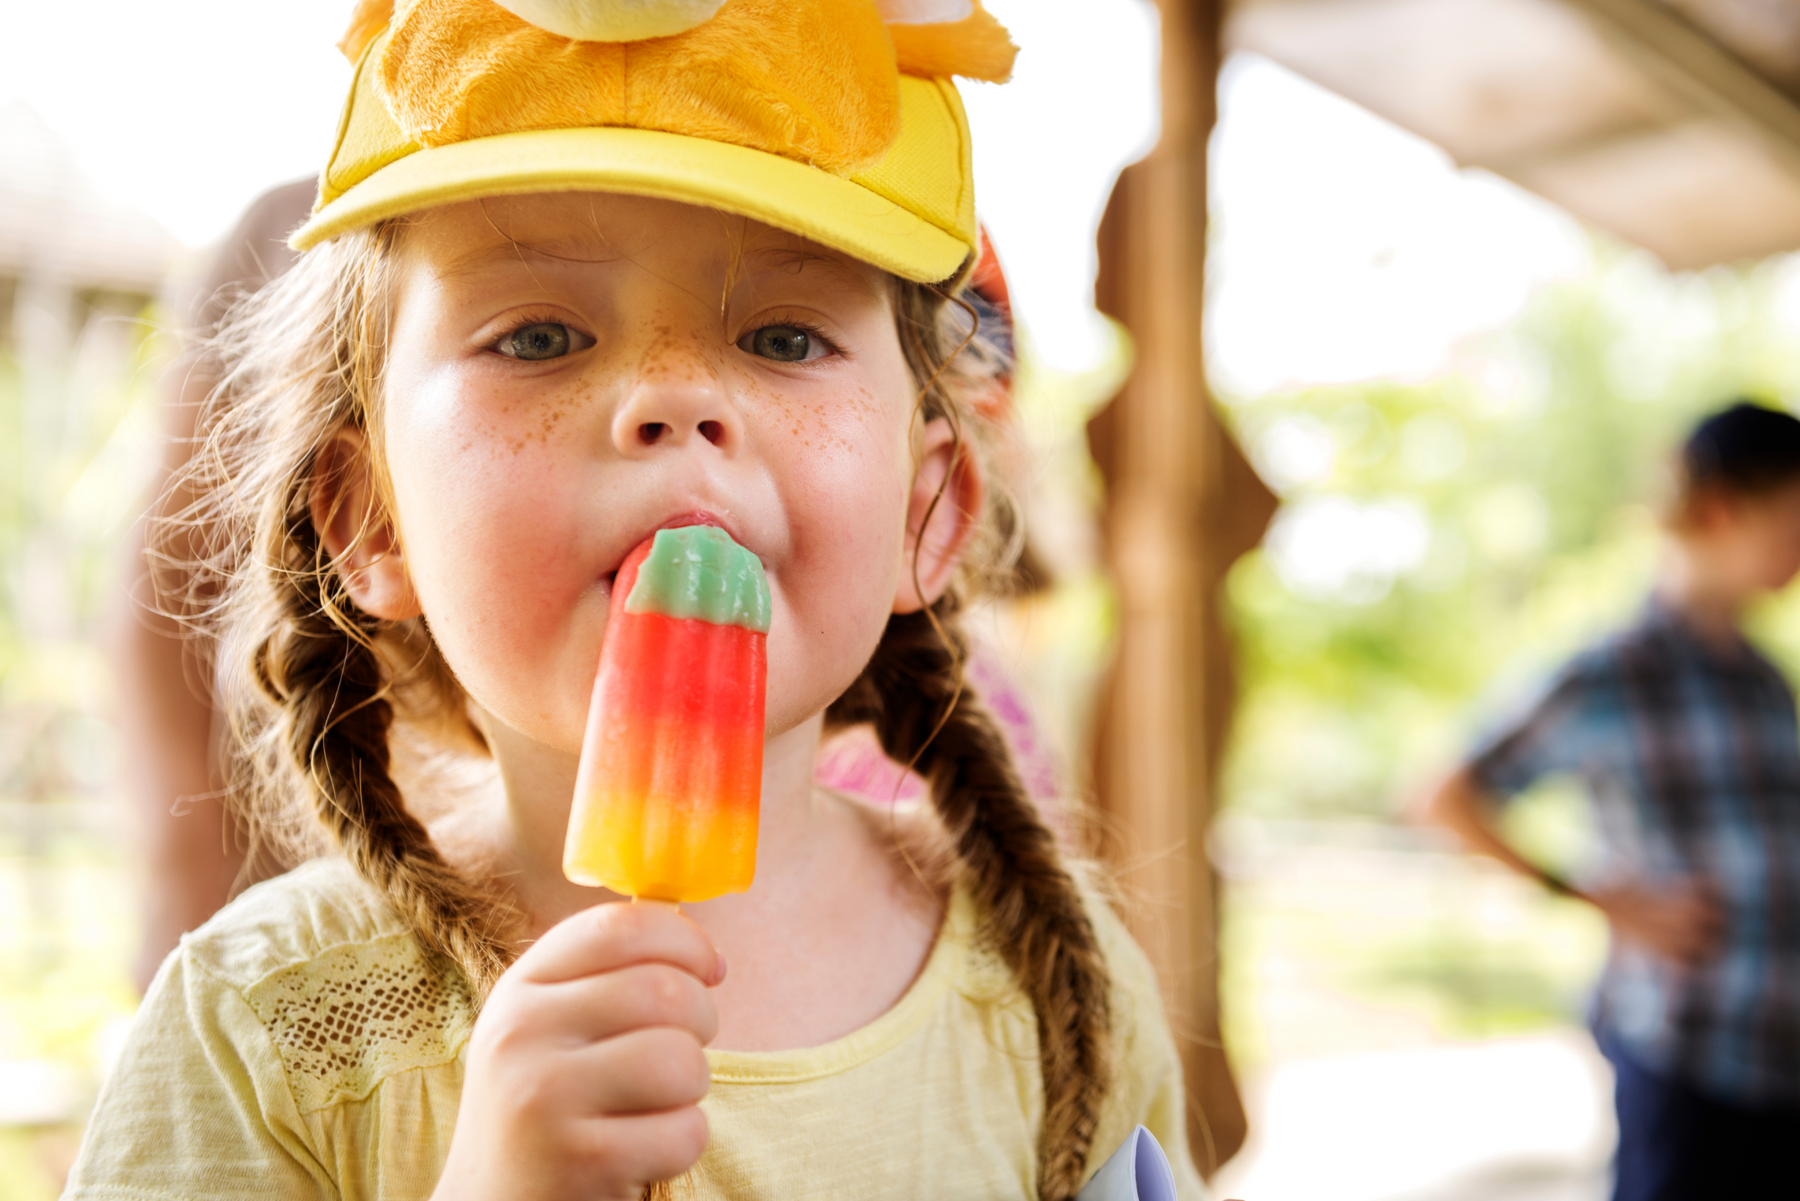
{"x": 585, "y": 1067}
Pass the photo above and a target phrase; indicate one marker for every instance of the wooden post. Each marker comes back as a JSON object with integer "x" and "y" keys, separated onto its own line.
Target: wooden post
{"x": 1182, "y": 504}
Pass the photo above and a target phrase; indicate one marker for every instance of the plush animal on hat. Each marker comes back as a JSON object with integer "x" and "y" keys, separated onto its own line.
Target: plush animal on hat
{"x": 725, "y": 70}
{"x": 833, "y": 119}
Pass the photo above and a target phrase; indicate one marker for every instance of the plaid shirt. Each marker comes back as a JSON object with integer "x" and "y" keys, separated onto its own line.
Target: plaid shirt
{"x": 1691, "y": 754}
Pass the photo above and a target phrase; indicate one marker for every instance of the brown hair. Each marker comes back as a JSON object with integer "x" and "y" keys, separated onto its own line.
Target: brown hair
{"x": 317, "y": 690}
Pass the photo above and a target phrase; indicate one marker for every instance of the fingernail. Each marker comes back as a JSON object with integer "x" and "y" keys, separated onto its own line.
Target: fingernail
{"x": 718, "y": 975}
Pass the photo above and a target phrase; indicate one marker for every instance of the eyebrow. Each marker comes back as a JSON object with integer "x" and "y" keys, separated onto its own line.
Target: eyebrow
{"x": 793, "y": 260}
{"x": 516, "y": 251}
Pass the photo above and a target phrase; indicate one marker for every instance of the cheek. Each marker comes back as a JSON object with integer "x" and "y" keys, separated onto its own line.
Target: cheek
{"x": 846, "y": 478}
{"x": 1770, "y": 558}
{"x": 493, "y": 541}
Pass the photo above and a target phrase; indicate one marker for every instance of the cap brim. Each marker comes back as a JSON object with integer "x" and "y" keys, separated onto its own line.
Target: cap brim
{"x": 828, "y": 209}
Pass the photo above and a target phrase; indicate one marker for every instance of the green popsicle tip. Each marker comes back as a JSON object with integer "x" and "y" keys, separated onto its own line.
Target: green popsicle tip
{"x": 698, "y": 571}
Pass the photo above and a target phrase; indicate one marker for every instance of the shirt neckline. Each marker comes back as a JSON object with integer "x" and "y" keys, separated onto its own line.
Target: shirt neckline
{"x": 1661, "y": 615}
{"x": 879, "y": 1036}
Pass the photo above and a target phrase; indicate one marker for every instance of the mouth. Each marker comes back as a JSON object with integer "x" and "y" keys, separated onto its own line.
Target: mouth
{"x": 678, "y": 522}
{"x": 697, "y": 517}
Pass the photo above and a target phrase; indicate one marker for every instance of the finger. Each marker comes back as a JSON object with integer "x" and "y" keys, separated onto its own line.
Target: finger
{"x": 1681, "y": 932}
{"x": 1669, "y": 950}
{"x": 592, "y": 1008}
{"x": 650, "y": 1146}
{"x": 1700, "y": 906}
{"x": 1703, "y": 931}
{"x": 643, "y": 1071}
{"x": 1703, "y": 921}
{"x": 1677, "y": 947}
{"x": 1704, "y": 941}
{"x": 615, "y": 935}
{"x": 1703, "y": 900}
{"x": 1689, "y": 944}
{"x": 1691, "y": 957}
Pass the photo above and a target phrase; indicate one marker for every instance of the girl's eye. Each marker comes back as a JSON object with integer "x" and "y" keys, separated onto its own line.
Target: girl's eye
{"x": 782, "y": 343}
{"x": 543, "y": 340}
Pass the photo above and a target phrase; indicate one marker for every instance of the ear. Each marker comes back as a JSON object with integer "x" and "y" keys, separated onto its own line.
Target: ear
{"x": 362, "y": 542}
{"x": 937, "y": 534}
{"x": 1712, "y": 509}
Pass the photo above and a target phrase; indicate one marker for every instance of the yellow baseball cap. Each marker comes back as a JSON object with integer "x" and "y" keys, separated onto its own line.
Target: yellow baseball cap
{"x": 830, "y": 119}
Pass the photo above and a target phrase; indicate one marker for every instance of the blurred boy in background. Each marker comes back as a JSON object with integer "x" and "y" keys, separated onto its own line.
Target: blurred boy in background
{"x": 1687, "y": 741}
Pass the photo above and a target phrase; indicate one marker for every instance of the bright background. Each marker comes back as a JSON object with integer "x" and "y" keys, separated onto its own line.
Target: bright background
{"x": 1460, "y": 393}
{"x": 188, "y": 109}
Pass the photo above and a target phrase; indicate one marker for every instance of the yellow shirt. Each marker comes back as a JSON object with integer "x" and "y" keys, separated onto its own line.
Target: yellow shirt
{"x": 299, "y": 1045}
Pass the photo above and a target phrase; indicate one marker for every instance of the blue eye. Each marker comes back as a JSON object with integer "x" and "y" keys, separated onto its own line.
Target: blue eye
{"x": 544, "y": 340}
{"x": 782, "y": 343}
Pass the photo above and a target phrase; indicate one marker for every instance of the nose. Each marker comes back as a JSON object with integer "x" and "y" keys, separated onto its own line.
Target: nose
{"x": 666, "y": 414}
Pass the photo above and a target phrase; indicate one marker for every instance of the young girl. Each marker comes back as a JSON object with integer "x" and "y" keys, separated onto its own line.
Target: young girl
{"x": 580, "y": 271}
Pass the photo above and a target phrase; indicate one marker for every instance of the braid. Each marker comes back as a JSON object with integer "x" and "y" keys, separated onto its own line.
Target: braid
{"x": 314, "y": 685}
{"x": 324, "y": 668}
{"x": 912, "y": 694}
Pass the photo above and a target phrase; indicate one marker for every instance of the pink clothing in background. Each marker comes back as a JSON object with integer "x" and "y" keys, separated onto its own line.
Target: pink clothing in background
{"x": 852, "y": 762}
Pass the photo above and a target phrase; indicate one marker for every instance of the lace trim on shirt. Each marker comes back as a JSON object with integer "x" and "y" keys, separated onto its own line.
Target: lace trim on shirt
{"x": 358, "y": 1013}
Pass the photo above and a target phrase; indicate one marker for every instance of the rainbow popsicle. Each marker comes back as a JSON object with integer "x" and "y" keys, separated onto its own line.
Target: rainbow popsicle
{"x": 670, "y": 782}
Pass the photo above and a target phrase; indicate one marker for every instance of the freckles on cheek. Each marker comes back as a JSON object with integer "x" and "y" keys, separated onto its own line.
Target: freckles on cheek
{"x": 848, "y": 464}
{"x": 488, "y": 529}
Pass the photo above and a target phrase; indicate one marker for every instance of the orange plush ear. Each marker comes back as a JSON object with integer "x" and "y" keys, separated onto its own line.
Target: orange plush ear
{"x": 974, "y": 46}
{"x": 366, "y": 24}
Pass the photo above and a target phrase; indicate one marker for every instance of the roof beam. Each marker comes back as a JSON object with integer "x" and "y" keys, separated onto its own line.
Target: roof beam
{"x": 1673, "y": 48}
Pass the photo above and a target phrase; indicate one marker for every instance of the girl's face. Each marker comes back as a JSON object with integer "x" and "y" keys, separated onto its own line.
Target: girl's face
{"x": 569, "y": 373}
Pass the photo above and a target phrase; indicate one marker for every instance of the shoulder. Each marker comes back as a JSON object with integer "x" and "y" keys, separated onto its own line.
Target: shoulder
{"x": 303, "y": 994}
{"x": 342, "y": 991}
{"x": 1654, "y": 633}
{"x": 1126, "y": 961}
{"x": 1588, "y": 677}
{"x": 1597, "y": 666}
{"x": 1148, "y": 1088}
{"x": 983, "y": 975}
{"x": 289, "y": 920}
{"x": 977, "y": 972}
{"x": 1138, "y": 1020}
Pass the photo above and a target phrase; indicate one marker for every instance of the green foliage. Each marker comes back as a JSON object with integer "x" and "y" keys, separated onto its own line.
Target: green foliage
{"x": 78, "y": 447}
{"x": 1445, "y": 542}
